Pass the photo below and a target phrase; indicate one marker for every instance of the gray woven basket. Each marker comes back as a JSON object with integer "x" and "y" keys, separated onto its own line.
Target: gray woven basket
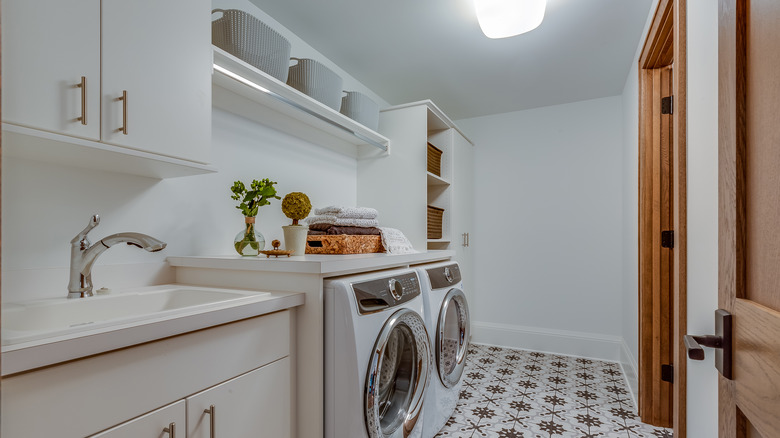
{"x": 360, "y": 108}
{"x": 246, "y": 37}
{"x": 314, "y": 79}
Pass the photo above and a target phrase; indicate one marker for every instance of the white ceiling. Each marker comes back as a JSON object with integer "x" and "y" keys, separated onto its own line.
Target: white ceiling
{"x": 410, "y": 50}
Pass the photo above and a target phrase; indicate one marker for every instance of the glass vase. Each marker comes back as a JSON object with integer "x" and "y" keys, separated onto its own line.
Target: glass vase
{"x": 249, "y": 241}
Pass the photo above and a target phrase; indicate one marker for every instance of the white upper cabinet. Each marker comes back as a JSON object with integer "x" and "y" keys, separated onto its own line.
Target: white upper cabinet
{"x": 67, "y": 64}
{"x": 159, "y": 54}
{"x": 48, "y": 46}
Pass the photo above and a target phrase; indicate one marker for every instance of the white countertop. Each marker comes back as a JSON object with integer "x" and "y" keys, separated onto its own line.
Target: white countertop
{"x": 33, "y": 354}
{"x": 324, "y": 265}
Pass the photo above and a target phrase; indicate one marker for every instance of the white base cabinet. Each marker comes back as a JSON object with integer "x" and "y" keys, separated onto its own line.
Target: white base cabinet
{"x": 255, "y": 404}
{"x": 242, "y": 368}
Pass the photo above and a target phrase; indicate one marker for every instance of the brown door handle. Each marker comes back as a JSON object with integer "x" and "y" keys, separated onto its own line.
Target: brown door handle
{"x": 694, "y": 343}
{"x": 721, "y": 341}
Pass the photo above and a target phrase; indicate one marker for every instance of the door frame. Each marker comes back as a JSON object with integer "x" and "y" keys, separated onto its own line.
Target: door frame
{"x": 664, "y": 44}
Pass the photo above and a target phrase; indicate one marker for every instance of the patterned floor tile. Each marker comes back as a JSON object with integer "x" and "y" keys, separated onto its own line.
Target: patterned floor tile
{"x": 511, "y": 393}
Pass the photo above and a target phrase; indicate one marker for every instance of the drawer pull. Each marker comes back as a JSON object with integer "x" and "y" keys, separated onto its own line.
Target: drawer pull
{"x": 171, "y": 430}
{"x": 123, "y": 129}
{"x": 212, "y": 411}
{"x": 83, "y": 86}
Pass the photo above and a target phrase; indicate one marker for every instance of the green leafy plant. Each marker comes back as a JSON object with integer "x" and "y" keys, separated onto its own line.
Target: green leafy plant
{"x": 259, "y": 194}
{"x": 296, "y": 206}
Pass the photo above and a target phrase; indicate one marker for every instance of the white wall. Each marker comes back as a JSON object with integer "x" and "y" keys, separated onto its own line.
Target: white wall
{"x": 548, "y": 218}
{"x": 702, "y": 209}
{"x": 702, "y": 89}
{"x": 45, "y": 205}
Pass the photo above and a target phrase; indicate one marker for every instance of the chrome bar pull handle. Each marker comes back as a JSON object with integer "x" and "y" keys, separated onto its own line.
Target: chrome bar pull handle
{"x": 464, "y": 240}
{"x": 83, "y": 86}
{"x": 212, "y": 411}
{"x": 171, "y": 430}
{"x": 123, "y": 129}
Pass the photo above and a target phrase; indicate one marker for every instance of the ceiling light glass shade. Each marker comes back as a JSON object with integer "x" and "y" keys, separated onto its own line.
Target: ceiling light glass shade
{"x": 506, "y": 18}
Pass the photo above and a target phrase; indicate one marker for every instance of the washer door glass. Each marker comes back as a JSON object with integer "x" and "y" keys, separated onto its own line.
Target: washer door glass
{"x": 452, "y": 336}
{"x": 397, "y": 376}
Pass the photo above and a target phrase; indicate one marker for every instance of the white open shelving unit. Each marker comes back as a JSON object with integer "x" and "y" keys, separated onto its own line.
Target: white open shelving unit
{"x": 247, "y": 91}
{"x": 439, "y": 189}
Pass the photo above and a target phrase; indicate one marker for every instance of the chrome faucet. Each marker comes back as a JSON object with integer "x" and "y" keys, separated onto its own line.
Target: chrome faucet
{"x": 83, "y": 255}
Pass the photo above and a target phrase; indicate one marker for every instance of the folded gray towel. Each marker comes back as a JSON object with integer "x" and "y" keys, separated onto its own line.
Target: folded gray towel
{"x": 348, "y": 212}
{"x": 342, "y": 221}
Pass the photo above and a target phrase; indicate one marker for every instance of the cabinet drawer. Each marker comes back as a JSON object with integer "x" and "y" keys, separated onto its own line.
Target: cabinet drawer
{"x": 78, "y": 398}
{"x": 152, "y": 424}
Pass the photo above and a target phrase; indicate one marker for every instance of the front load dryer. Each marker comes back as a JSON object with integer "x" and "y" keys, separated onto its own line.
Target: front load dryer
{"x": 377, "y": 356}
{"x": 447, "y": 321}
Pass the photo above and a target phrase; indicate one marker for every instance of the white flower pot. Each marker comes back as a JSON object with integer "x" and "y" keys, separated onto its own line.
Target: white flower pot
{"x": 295, "y": 238}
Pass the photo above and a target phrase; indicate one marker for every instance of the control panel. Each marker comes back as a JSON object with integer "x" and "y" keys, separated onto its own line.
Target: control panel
{"x": 444, "y": 276}
{"x": 380, "y": 294}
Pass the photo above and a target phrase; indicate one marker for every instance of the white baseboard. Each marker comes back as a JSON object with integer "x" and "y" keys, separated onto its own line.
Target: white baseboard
{"x": 630, "y": 370}
{"x": 590, "y": 345}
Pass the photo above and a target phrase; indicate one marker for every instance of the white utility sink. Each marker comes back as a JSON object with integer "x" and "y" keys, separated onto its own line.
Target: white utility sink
{"x": 54, "y": 318}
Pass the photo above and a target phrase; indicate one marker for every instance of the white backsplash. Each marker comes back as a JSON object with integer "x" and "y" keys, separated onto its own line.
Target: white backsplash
{"x": 45, "y": 205}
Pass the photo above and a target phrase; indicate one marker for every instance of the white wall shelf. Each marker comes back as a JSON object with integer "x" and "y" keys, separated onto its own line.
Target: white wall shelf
{"x": 274, "y": 103}
{"x": 34, "y": 144}
{"x": 434, "y": 180}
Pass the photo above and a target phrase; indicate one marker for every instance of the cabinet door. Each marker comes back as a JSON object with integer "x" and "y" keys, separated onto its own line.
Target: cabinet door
{"x": 156, "y": 424}
{"x": 257, "y": 403}
{"x": 463, "y": 217}
{"x": 159, "y": 52}
{"x": 48, "y": 46}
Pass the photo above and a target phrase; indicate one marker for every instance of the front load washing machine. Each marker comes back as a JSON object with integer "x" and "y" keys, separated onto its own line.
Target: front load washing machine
{"x": 377, "y": 356}
{"x": 447, "y": 321}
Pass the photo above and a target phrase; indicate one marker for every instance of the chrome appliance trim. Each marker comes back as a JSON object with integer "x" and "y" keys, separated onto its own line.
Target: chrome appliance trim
{"x": 457, "y": 298}
{"x": 416, "y": 378}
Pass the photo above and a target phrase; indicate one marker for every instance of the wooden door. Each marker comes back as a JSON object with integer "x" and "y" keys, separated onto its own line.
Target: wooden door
{"x": 749, "y": 214}
{"x": 656, "y": 262}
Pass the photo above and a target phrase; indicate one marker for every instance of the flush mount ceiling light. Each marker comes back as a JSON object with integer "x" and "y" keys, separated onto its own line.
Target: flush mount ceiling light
{"x": 506, "y": 18}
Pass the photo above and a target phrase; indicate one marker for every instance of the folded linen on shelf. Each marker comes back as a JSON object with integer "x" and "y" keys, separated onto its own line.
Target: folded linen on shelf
{"x": 394, "y": 241}
{"x": 353, "y": 231}
{"x": 348, "y": 212}
{"x": 342, "y": 221}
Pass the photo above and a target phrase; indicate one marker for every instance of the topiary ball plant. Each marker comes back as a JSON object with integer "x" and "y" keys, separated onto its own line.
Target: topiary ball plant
{"x": 296, "y": 206}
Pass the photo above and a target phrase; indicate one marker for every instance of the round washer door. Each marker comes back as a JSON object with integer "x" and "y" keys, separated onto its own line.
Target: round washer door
{"x": 452, "y": 335}
{"x": 398, "y": 374}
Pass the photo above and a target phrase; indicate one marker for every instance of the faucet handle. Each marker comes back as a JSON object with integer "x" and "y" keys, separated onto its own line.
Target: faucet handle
{"x": 93, "y": 222}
